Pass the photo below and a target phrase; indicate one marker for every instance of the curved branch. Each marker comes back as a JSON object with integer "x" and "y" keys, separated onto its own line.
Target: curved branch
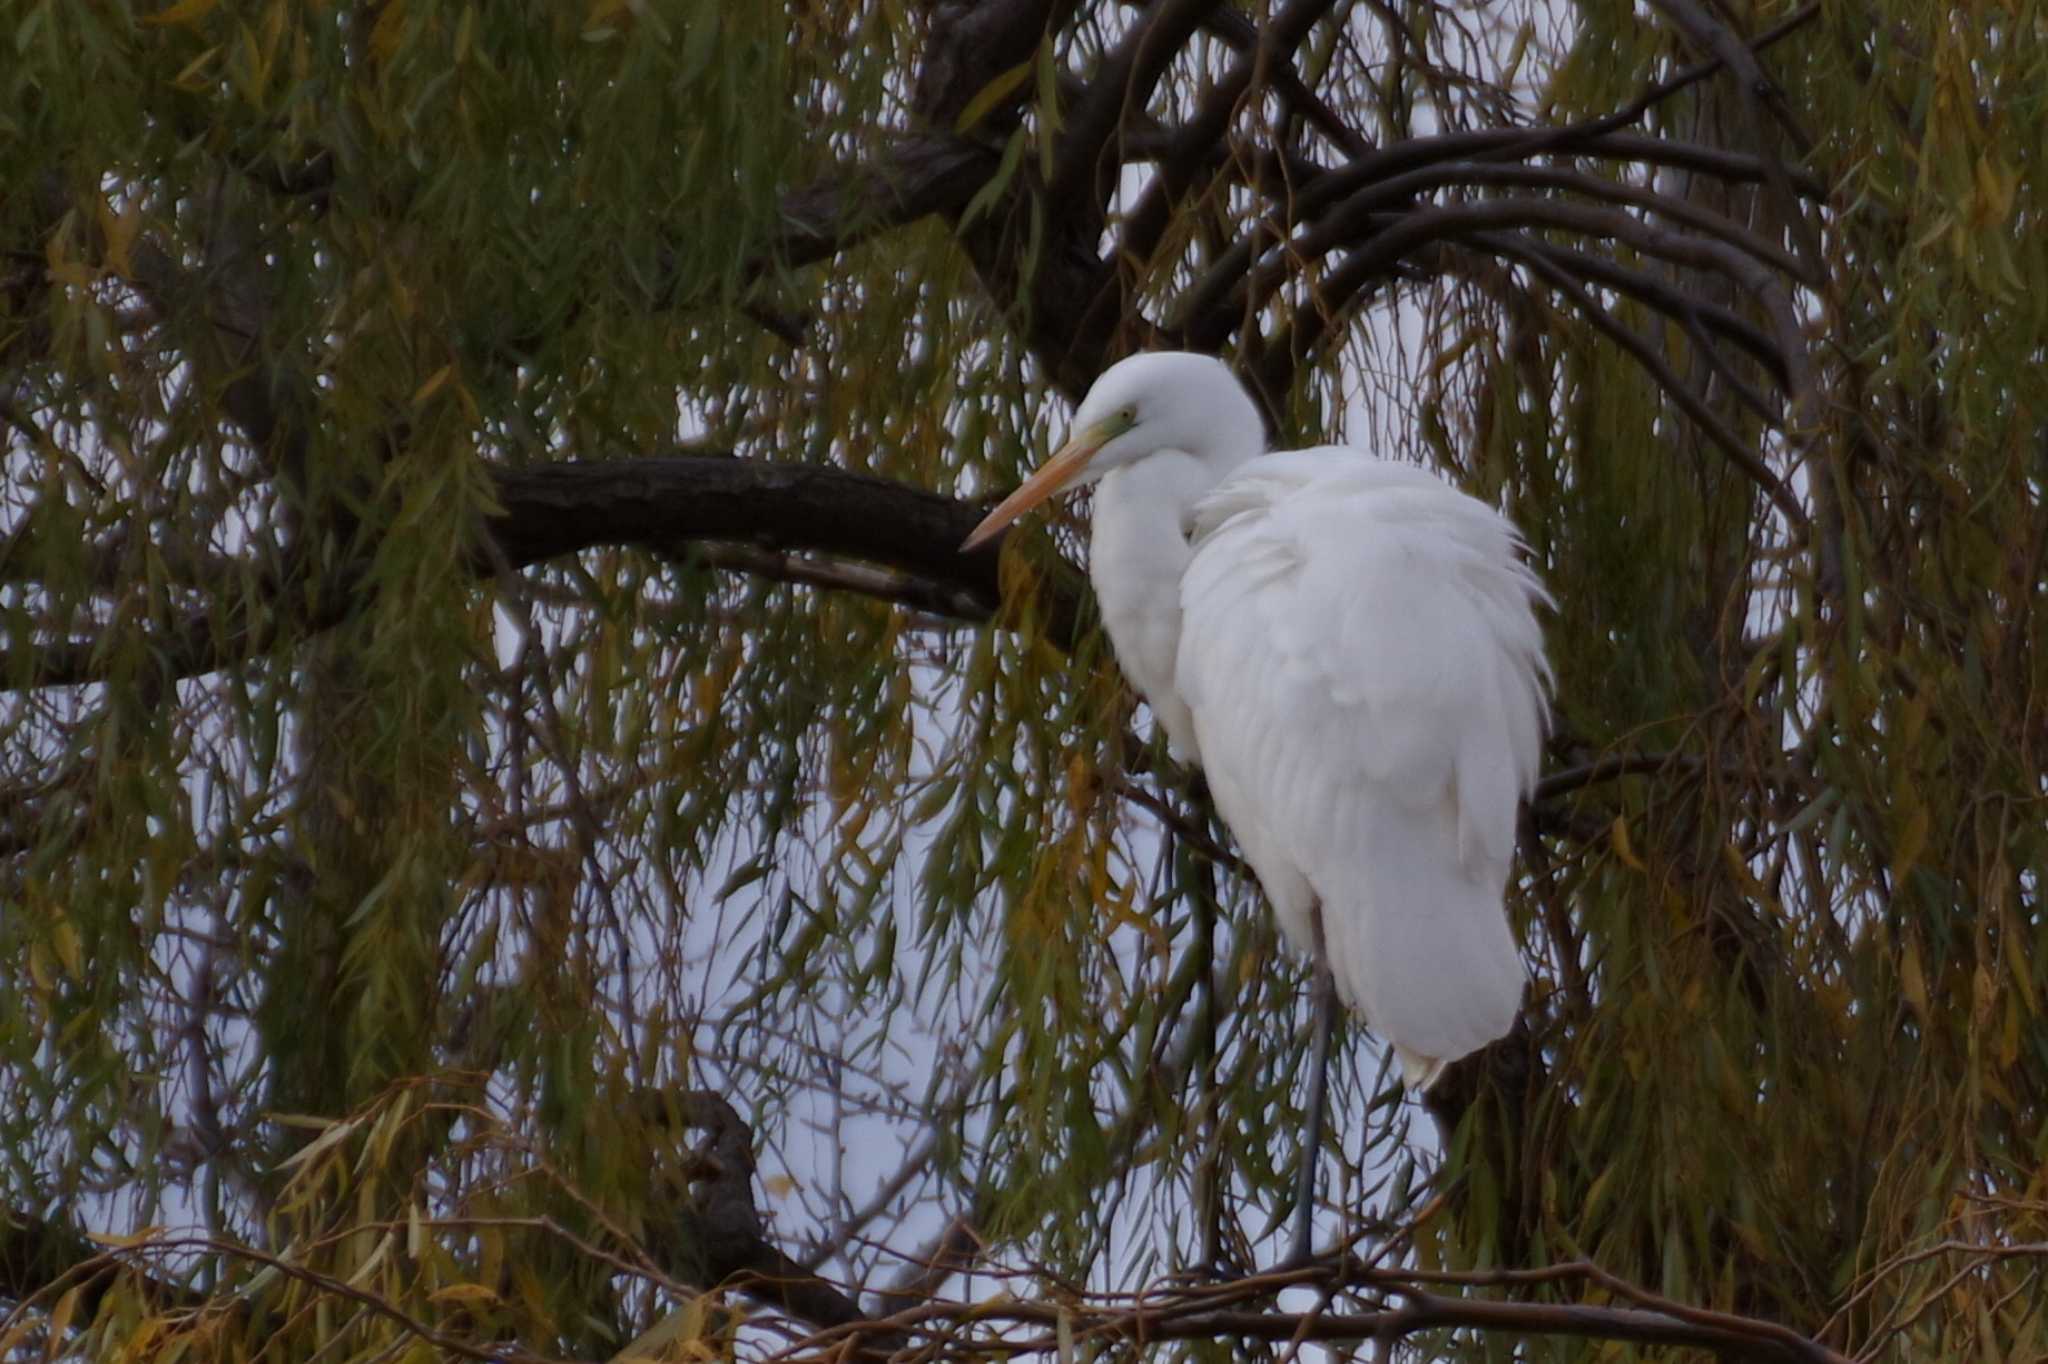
{"x": 1407, "y": 233}
{"x": 1346, "y": 220}
{"x": 1649, "y": 289}
{"x": 1659, "y": 369}
{"x": 1122, "y": 84}
{"x": 1756, "y": 89}
{"x": 1738, "y": 451}
{"x": 1198, "y": 308}
{"x": 1196, "y": 142}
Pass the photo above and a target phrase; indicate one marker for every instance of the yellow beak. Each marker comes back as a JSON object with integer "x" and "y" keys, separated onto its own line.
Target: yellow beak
{"x": 1055, "y": 474}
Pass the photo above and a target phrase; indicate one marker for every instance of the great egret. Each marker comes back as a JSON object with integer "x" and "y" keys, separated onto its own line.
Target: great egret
{"x": 1349, "y": 648}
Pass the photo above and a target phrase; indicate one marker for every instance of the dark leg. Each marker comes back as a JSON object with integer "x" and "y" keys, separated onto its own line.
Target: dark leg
{"x": 1318, "y": 1093}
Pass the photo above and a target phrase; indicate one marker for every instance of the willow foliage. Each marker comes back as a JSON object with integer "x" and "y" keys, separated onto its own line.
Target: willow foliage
{"x": 520, "y": 837}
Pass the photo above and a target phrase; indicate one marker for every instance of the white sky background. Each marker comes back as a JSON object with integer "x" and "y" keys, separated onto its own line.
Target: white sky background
{"x": 838, "y": 1144}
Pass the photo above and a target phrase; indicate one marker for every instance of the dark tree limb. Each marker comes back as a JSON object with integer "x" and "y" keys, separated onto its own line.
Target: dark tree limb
{"x": 1738, "y": 451}
{"x": 1197, "y": 143}
{"x": 1225, "y": 1311}
{"x": 1208, "y": 313}
{"x": 1383, "y": 238}
{"x": 40, "y": 1258}
{"x": 1757, "y": 91}
{"x": 798, "y": 522}
{"x": 1037, "y": 266}
{"x": 1345, "y": 222}
{"x": 722, "y": 1241}
{"x": 554, "y": 509}
{"x": 909, "y": 179}
{"x": 970, "y": 44}
{"x": 1657, "y": 292}
{"x": 1405, "y": 233}
{"x": 1084, "y": 172}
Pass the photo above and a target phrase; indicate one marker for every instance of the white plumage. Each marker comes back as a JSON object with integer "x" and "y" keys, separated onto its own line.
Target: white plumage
{"x": 1349, "y": 648}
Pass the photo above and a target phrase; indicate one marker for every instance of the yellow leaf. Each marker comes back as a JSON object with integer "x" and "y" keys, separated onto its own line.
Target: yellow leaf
{"x": 1913, "y": 981}
{"x": 64, "y": 938}
{"x": 257, "y": 62}
{"x": 63, "y": 268}
{"x": 779, "y": 1186}
{"x": 1617, "y": 834}
{"x": 193, "y": 78}
{"x": 128, "y": 1242}
{"x": 39, "y": 967}
{"x": 2017, "y": 966}
{"x": 118, "y": 231}
{"x": 991, "y": 95}
{"x": 184, "y": 12}
{"x": 1912, "y": 841}
{"x": 335, "y": 1134}
{"x": 1080, "y": 785}
{"x": 433, "y": 384}
{"x": 386, "y": 32}
{"x": 1995, "y": 191}
{"x": 464, "y": 1295}
{"x": 60, "y": 1316}
{"x": 1983, "y": 998}
{"x": 685, "y": 1323}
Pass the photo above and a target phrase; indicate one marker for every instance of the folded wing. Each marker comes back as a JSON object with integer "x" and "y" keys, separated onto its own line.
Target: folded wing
{"x": 1362, "y": 660}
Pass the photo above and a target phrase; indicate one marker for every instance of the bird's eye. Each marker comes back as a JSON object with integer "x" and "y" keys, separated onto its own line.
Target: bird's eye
{"x": 1130, "y": 416}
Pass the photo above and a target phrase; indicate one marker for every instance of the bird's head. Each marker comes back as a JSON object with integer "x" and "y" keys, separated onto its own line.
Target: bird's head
{"x": 1161, "y": 400}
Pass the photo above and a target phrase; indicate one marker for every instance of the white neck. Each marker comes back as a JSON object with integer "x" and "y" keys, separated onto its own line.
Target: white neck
{"x": 1137, "y": 554}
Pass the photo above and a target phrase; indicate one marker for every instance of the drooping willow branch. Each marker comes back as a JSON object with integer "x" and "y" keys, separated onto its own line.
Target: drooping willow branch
{"x": 1652, "y": 360}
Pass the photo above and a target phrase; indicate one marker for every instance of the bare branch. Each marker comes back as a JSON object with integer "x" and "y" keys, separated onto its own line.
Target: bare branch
{"x": 1197, "y": 142}
{"x": 791, "y": 520}
{"x": 910, "y": 179}
{"x": 1211, "y": 1312}
{"x": 1207, "y": 313}
{"x": 1122, "y": 85}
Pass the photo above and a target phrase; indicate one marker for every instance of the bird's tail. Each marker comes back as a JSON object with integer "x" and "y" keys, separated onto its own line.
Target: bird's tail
{"x": 1419, "y": 942}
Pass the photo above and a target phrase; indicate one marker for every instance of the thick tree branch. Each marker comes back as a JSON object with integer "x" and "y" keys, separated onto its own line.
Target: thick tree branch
{"x": 1657, "y": 292}
{"x": 909, "y": 179}
{"x": 1121, "y": 87}
{"x": 554, "y": 509}
{"x": 1201, "y": 141}
{"x": 722, "y": 1241}
{"x": 970, "y": 45}
{"x": 1406, "y": 233}
{"x": 798, "y": 522}
{"x": 1345, "y": 222}
{"x": 1740, "y": 58}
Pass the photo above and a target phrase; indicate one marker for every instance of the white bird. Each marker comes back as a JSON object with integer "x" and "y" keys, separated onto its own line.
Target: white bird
{"x": 1349, "y": 648}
